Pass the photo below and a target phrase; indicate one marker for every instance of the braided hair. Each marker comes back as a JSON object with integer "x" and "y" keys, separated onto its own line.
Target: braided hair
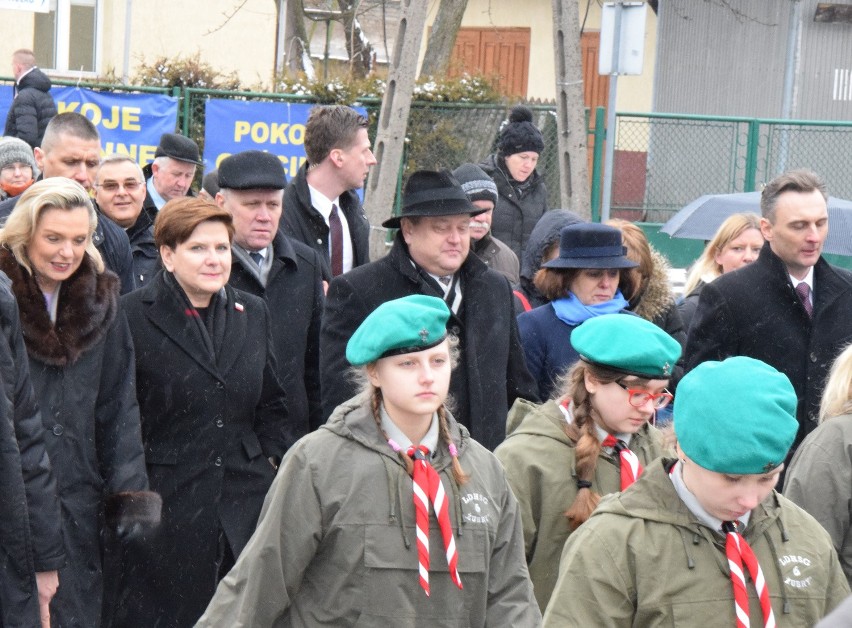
{"x": 582, "y": 431}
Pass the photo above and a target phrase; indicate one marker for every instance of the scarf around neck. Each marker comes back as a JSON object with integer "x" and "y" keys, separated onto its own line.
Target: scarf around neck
{"x": 572, "y": 312}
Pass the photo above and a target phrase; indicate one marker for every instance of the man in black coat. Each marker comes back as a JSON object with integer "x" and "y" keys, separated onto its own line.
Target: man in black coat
{"x": 322, "y": 209}
{"x": 790, "y": 308}
{"x": 431, "y": 255}
{"x": 284, "y": 272}
{"x": 33, "y": 106}
{"x": 71, "y": 148}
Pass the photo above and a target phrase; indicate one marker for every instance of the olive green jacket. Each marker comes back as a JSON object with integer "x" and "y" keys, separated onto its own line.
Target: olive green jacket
{"x": 336, "y": 543}
{"x": 643, "y": 559}
{"x": 539, "y": 460}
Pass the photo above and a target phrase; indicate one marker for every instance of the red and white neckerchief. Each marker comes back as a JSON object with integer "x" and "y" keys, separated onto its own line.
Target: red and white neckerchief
{"x": 631, "y": 468}
{"x": 738, "y": 552}
{"x": 428, "y": 488}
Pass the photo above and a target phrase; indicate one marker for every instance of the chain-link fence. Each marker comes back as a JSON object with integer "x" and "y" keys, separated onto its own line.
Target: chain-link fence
{"x": 664, "y": 161}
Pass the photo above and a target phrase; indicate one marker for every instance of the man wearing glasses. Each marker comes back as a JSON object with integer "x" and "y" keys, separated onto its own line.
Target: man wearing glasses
{"x": 119, "y": 193}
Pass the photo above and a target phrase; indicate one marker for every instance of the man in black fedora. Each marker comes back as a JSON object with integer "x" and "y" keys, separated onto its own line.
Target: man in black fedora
{"x": 431, "y": 256}
{"x": 171, "y": 173}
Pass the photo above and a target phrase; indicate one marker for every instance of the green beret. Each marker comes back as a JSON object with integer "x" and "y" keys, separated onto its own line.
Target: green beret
{"x": 628, "y": 344}
{"x": 736, "y": 416}
{"x": 412, "y": 323}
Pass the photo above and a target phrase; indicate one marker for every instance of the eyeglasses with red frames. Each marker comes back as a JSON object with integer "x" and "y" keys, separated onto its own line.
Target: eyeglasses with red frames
{"x": 639, "y": 398}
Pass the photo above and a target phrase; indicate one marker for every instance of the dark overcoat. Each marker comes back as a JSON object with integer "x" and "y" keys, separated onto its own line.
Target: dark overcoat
{"x": 40, "y": 482}
{"x": 82, "y": 371}
{"x": 492, "y": 372}
{"x": 294, "y": 295}
{"x": 146, "y": 257}
{"x": 209, "y": 426}
{"x": 755, "y": 311}
{"x": 304, "y": 223}
{"x": 18, "y": 595}
{"x": 518, "y": 208}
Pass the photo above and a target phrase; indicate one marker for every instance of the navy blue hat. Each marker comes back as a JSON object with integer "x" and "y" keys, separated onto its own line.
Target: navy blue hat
{"x": 431, "y": 193}
{"x": 178, "y": 147}
{"x": 590, "y": 245}
{"x": 252, "y": 170}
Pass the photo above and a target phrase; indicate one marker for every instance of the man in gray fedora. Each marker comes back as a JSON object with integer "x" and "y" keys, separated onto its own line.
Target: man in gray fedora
{"x": 431, "y": 255}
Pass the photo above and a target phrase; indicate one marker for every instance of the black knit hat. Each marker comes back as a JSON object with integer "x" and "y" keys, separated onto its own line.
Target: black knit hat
{"x": 476, "y": 184}
{"x": 430, "y": 193}
{"x": 520, "y": 134}
{"x": 178, "y": 147}
{"x": 252, "y": 170}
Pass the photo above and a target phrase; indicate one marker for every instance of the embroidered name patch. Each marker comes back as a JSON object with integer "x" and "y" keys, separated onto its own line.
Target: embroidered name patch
{"x": 796, "y": 569}
{"x": 477, "y": 508}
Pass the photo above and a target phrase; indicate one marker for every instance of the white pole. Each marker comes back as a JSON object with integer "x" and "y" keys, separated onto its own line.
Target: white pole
{"x": 606, "y": 201}
{"x": 128, "y": 23}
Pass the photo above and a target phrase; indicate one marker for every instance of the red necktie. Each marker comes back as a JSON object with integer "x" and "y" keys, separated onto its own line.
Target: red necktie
{"x": 336, "y": 229}
{"x": 428, "y": 487}
{"x": 631, "y": 468}
{"x": 739, "y": 552}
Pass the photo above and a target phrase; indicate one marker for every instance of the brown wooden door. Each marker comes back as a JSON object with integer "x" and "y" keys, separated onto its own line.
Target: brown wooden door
{"x": 502, "y": 54}
{"x": 595, "y": 86}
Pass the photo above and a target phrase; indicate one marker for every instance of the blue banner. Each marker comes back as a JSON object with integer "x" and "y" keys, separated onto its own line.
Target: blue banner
{"x": 127, "y": 123}
{"x": 232, "y": 126}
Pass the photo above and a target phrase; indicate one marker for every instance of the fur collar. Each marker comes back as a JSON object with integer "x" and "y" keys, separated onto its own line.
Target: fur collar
{"x": 657, "y": 297}
{"x": 88, "y": 303}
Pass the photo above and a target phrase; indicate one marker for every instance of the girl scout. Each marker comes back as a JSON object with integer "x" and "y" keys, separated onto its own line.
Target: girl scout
{"x": 389, "y": 514}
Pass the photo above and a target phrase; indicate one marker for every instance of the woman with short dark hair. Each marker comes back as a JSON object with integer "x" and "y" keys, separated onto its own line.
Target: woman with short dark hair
{"x": 212, "y": 416}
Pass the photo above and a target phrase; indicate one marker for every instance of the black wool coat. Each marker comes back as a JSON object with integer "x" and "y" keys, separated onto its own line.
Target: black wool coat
{"x": 209, "y": 426}
{"x": 755, "y": 311}
{"x": 302, "y": 222}
{"x": 294, "y": 295}
{"x": 32, "y": 108}
{"x": 39, "y": 479}
{"x": 492, "y": 372}
{"x": 18, "y": 594}
{"x": 82, "y": 371}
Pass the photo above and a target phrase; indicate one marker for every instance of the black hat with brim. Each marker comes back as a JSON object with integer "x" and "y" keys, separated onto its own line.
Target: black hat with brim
{"x": 178, "y": 147}
{"x": 590, "y": 245}
{"x": 433, "y": 193}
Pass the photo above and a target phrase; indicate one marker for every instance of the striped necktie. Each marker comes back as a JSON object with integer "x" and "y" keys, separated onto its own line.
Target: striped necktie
{"x": 738, "y": 552}
{"x": 428, "y": 488}
{"x": 631, "y": 468}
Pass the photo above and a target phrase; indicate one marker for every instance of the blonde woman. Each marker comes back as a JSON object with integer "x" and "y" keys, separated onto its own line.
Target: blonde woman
{"x": 737, "y": 242}
{"x": 820, "y": 475}
{"x": 82, "y": 368}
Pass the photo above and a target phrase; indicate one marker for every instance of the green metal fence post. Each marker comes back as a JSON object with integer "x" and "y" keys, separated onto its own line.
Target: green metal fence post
{"x": 752, "y": 145}
{"x": 176, "y": 92}
{"x": 597, "y": 161}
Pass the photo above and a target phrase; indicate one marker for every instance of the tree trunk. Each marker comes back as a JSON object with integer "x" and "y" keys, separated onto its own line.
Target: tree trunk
{"x": 296, "y": 46}
{"x": 393, "y": 123}
{"x": 439, "y": 48}
{"x": 357, "y": 45}
{"x": 570, "y": 109}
